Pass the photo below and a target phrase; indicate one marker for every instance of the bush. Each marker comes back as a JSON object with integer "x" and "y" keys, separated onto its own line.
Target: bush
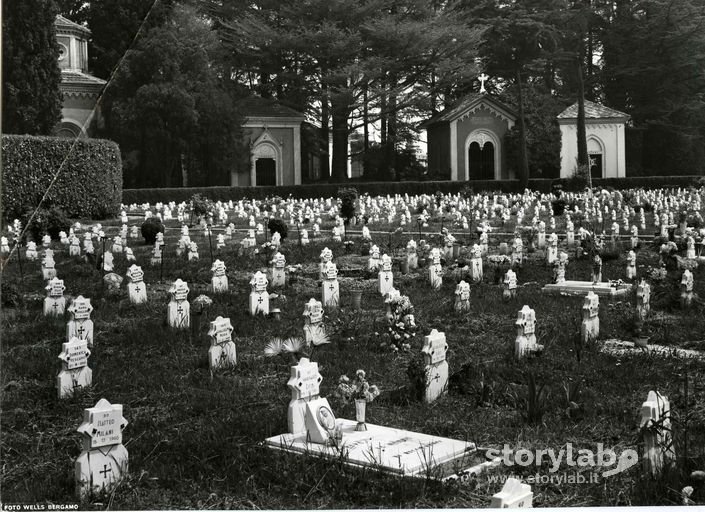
{"x": 11, "y": 296}
{"x": 278, "y": 226}
{"x": 201, "y": 205}
{"x": 89, "y": 184}
{"x": 317, "y": 190}
{"x": 347, "y": 196}
{"x": 150, "y": 228}
{"x": 47, "y": 220}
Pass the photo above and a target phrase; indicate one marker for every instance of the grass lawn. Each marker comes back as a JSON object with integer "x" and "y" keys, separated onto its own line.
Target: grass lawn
{"x": 196, "y": 441}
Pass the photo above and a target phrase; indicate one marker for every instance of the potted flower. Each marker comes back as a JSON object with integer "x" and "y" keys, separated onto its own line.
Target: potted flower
{"x": 360, "y": 391}
{"x": 356, "y": 293}
{"x": 199, "y": 306}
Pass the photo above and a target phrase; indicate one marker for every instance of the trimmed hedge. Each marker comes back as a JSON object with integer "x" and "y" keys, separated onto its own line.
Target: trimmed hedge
{"x": 88, "y": 186}
{"x": 154, "y": 195}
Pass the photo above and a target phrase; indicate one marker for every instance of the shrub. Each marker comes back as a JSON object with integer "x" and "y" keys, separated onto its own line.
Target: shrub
{"x": 278, "y": 226}
{"x": 150, "y": 228}
{"x": 201, "y": 205}
{"x": 50, "y": 220}
{"x": 11, "y": 297}
{"x": 317, "y": 190}
{"x": 347, "y": 196}
{"x": 89, "y": 183}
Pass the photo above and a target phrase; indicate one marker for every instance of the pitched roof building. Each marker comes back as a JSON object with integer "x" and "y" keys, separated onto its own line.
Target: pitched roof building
{"x": 465, "y": 141}
{"x": 605, "y": 129}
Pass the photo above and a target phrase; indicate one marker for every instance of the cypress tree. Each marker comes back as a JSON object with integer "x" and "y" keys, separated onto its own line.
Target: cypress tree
{"x": 31, "y": 99}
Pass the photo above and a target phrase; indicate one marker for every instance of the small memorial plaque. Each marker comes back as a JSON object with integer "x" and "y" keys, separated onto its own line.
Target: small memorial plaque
{"x": 75, "y": 353}
{"x": 103, "y": 424}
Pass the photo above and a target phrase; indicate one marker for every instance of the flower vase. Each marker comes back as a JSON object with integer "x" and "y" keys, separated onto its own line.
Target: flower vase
{"x": 360, "y": 406}
{"x": 357, "y": 299}
{"x": 404, "y": 265}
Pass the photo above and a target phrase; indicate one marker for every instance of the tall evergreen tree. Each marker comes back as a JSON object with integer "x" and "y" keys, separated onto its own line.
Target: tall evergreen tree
{"x": 170, "y": 110}
{"x": 114, "y": 25}
{"x": 352, "y": 59}
{"x": 518, "y": 39}
{"x": 31, "y": 100}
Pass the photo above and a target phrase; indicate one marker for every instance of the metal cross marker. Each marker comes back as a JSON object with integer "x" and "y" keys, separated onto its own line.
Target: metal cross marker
{"x": 106, "y": 469}
{"x": 483, "y": 78}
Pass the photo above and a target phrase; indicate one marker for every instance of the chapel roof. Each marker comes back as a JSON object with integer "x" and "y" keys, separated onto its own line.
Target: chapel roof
{"x": 66, "y": 23}
{"x": 592, "y": 111}
{"x": 469, "y": 103}
{"x": 77, "y": 77}
{"x": 262, "y": 107}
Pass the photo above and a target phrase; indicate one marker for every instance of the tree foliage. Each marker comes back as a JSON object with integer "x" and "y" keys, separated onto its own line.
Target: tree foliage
{"x": 31, "y": 99}
{"x": 170, "y": 110}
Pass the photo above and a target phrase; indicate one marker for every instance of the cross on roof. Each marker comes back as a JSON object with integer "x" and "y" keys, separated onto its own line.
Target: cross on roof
{"x": 483, "y": 78}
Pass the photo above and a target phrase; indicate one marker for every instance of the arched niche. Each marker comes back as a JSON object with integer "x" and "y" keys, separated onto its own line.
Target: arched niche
{"x": 486, "y": 141}
{"x": 266, "y": 153}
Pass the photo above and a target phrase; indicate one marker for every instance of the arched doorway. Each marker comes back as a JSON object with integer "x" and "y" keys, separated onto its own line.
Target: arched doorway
{"x": 482, "y": 152}
{"x": 481, "y": 161}
{"x": 266, "y": 172}
{"x": 266, "y": 163}
{"x": 596, "y": 157}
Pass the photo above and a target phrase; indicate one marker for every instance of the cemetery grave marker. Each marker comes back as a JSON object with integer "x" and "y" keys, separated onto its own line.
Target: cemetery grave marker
{"x": 462, "y": 297}
{"x": 510, "y": 285}
{"x": 48, "y": 265}
{"x": 222, "y": 352}
{"x": 476, "y": 263}
{"x": 655, "y": 426}
{"x": 136, "y": 289}
{"x": 278, "y": 270}
{"x": 55, "y": 302}
{"x": 178, "y": 310}
{"x": 514, "y": 494}
{"x": 313, "y": 321}
{"x": 435, "y": 271}
{"x": 385, "y": 276}
{"x": 330, "y": 289}
{"x": 686, "y": 289}
{"x": 374, "y": 262}
{"x": 326, "y": 257}
{"x": 590, "y": 325}
{"x": 411, "y": 255}
{"x": 559, "y": 265}
{"x": 304, "y": 384}
{"x": 75, "y": 373}
{"x": 103, "y": 461}
{"x": 219, "y": 281}
{"x": 436, "y": 367}
{"x": 259, "y": 297}
{"x": 631, "y": 265}
{"x": 31, "y": 252}
{"x": 80, "y": 325}
{"x": 525, "y": 343}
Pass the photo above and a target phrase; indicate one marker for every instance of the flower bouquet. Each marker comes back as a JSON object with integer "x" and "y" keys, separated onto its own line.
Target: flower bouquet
{"x": 358, "y": 390}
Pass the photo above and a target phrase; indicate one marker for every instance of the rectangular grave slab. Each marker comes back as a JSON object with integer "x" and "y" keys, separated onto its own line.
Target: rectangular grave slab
{"x": 583, "y": 287}
{"x": 390, "y": 450}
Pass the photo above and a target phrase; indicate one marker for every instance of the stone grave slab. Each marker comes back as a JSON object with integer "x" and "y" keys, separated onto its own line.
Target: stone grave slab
{"x": 583, "y": 287}
{"x": 389, "y": 450}
{"x": 620, "y": 347}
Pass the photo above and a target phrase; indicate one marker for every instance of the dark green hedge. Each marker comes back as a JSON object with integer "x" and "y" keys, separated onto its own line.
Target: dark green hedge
{"x": 153, "y": 195}
{"x": 89, "y": 184}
